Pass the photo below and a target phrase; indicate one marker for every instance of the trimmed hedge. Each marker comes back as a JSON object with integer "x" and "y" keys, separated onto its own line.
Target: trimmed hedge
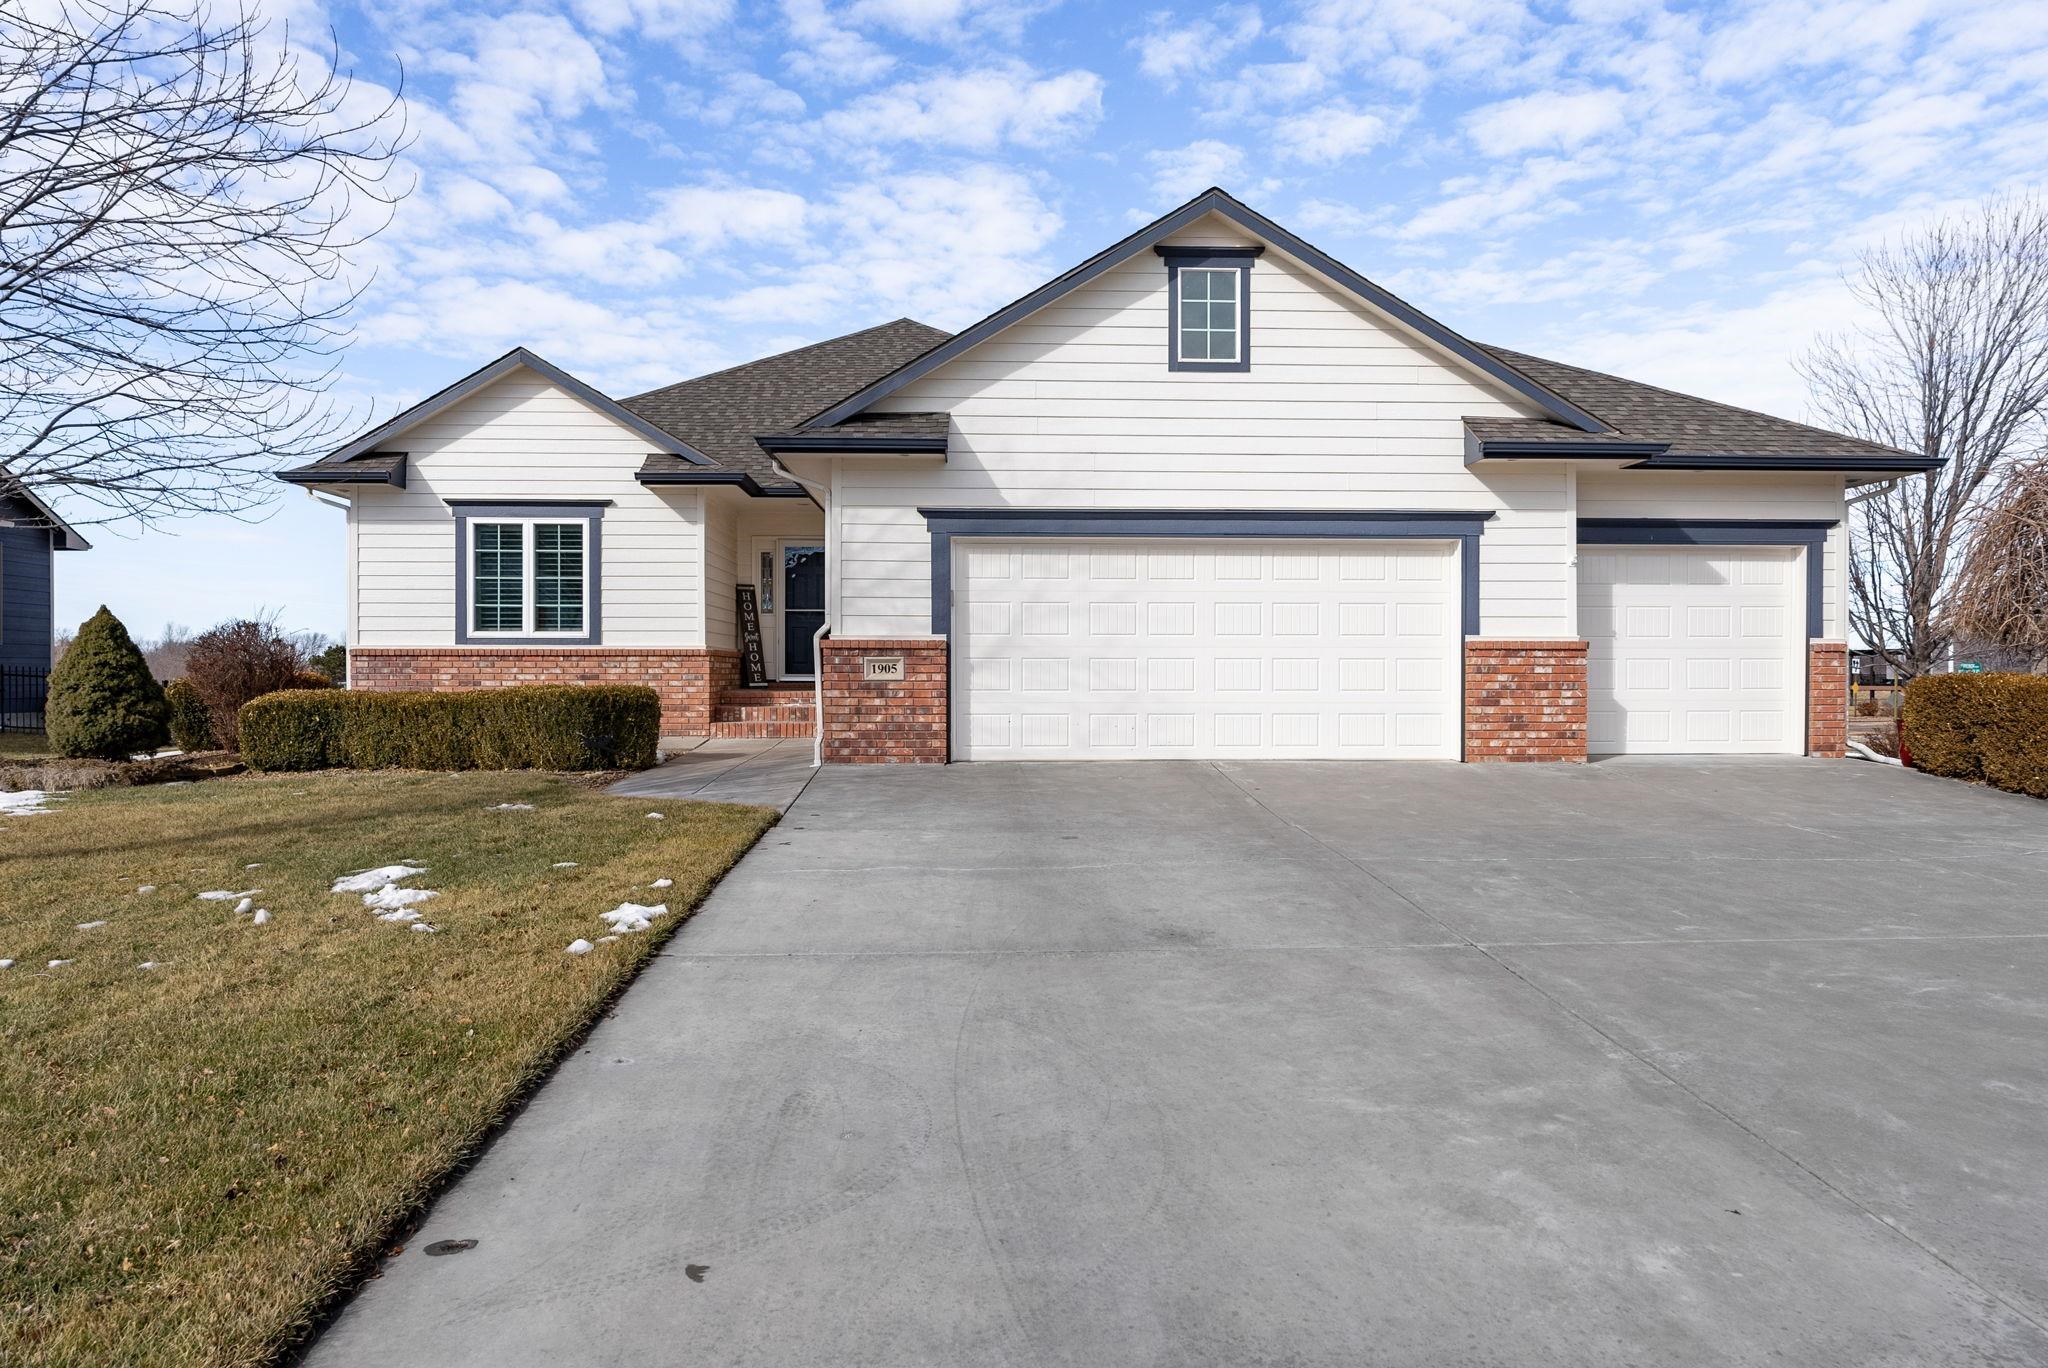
{"x": 538, "y": 726}
{"x": 191, "y": 724}
{"x": 1992, "y": 727}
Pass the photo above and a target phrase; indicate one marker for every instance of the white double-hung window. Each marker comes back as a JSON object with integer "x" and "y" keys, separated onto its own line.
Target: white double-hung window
{"x": 529, "y": 578}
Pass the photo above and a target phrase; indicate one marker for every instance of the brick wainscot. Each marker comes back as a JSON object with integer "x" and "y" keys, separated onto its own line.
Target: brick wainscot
{"x": 1827, "y": 699}
{"x": 688, "y": 680}
{"x": 1525, "y": 700}
{"x": 885, "y": 722}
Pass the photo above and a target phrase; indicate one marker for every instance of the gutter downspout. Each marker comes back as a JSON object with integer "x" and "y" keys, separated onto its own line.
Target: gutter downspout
{"x": 823, "y": 500}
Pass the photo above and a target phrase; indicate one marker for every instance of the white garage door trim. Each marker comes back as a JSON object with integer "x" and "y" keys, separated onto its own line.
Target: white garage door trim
{"x": 1695, "y": 649}
{"x": 1206, "y": 648}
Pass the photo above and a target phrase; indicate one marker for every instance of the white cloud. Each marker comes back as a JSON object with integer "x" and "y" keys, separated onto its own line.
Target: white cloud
{"x": 1183, "y": 172}
{"x": 664, "y": 19}
{"x": 827, "y": 50}
{"x": 1330, "y": 133}
{"x": 1169, "y": 51}
{"x": 978, "y": 110}
{"x": 1528, "y": 194}
{"x": 1546, "y": 119}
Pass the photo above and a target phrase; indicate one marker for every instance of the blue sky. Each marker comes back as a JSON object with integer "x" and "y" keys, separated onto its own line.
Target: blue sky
{"x": 642, "y": 190}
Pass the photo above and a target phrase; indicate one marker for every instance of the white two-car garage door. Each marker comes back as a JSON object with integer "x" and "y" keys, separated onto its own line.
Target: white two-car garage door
{"x": 1122, "y": 649}
{"x": 1695, "y": 650}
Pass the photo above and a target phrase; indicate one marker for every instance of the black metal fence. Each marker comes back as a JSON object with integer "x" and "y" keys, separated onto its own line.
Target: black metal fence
{"x": 22, "y": 691}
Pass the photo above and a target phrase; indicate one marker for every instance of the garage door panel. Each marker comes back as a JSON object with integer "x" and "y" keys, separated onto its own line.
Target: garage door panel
{"x": 1183, "y": 650}
{"x": 1693, "y": 650}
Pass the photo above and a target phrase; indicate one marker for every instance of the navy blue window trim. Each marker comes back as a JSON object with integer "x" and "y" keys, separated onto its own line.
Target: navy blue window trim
{"x": 590, "y": 514}
{"x": 1263, "y": 523}
{"x": 1722, "y": 532}
{"x": 1209, "y": 258}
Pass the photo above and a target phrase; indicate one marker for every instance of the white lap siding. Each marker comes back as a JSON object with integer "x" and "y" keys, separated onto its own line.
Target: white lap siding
{"x": 1793, "y": 496}
{"x": 524, "y": 439}
{"x": 1074, "y": 408}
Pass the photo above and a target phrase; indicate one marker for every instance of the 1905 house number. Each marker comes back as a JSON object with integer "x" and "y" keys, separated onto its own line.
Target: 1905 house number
{"x": 881, "y": 667}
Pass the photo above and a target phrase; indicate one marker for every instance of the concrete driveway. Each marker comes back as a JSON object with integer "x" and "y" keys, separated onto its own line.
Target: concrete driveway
{"x": 1292, "y": 1064}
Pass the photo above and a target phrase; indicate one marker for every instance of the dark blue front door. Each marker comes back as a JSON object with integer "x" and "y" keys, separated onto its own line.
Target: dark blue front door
{"x": 803, "y": 606}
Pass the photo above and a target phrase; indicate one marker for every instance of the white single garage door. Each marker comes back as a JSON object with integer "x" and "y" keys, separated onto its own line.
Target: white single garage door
{"x": 1123, "y": 649}
{"x": 1693, "y": 650}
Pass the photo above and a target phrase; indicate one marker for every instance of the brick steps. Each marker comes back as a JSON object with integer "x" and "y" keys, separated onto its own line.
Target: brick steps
{"x": 777, "y": 710}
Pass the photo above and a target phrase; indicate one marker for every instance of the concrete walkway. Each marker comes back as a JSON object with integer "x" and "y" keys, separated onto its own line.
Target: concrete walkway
{"x": 994, "y": 1066}
{"x": 767, "y": 773}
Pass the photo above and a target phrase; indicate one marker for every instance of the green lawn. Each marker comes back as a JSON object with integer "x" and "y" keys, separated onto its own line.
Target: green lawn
{"x": 198, "y": 1155}
{"x": 23, "y": 745}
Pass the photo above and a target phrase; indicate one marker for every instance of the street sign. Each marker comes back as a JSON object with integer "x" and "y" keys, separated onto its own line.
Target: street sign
{"x": 1969, "y": 667}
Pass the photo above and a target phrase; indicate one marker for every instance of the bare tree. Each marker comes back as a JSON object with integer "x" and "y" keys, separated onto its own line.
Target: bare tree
{"x": 2000, "y": 597}
{"x": 179, "y": 197}
{"x": 1954, "y": 364}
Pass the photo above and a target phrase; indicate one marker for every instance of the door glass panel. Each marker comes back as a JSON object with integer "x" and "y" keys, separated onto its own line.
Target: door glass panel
{"x": 803, "y": 606}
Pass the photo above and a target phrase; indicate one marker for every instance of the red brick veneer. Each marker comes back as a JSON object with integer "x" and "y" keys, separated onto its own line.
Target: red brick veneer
{"x": 873, "y": 723}
{"x": 1827, "y": 699}
{"x": 1525, "y": 700}
{"x": 688, "y": 680}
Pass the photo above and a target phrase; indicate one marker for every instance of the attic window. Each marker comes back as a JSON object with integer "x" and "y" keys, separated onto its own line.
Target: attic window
{"x": 1208, "y": 292}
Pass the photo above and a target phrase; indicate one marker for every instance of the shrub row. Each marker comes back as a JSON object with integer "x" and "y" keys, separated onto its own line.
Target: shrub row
{"x": 1992, "y": 727}
{"x": 540, "y": 726}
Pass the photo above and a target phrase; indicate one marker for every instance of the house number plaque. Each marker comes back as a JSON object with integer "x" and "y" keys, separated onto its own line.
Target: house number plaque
{"x": 881, "y": 667}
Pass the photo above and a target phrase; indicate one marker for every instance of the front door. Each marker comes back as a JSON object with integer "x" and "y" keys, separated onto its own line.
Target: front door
{"x": 803, "y": 607}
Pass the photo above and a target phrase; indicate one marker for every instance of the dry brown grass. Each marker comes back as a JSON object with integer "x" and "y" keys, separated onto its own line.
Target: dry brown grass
{"x": 199, "y": 1155}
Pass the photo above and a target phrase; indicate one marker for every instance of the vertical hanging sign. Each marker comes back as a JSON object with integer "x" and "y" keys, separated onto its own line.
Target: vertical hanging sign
{"x": 753, "y": 663}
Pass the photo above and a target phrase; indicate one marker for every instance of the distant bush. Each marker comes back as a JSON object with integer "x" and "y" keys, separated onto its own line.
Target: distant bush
{"x": 541, "y": 726}
{"x": 191, "y": 725}
{"x": 311, "y": 679}
{"x": 1992, "y": 727}
{"x": 235, "y": 662}
{"x": 332, "y": 662}
{"x": 103, "y": 703}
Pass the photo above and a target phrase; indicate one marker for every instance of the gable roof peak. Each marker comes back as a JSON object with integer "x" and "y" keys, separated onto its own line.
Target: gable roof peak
{"x": 1217, "y": 201}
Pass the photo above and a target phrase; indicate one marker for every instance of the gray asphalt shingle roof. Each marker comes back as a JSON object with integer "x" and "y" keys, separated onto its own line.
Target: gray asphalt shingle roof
{"x": 722, "y": 413}
{"x": 1645, "y": 413}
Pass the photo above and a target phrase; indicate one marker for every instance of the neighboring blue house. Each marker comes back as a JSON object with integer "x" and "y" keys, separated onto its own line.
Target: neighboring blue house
{"x": 30, "y": 535}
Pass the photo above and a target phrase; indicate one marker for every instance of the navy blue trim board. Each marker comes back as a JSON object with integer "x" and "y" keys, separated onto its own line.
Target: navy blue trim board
{"x": 1722, "y": 532}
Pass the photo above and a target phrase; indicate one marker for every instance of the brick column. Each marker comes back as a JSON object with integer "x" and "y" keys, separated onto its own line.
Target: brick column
{"x": 688, "y": 680}
{"x": 875, "y": 722}
{"x": 1525, "y": 700}
{"x": 1827, "y": 699}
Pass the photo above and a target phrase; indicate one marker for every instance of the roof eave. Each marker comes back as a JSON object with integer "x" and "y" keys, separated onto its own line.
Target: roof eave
{"x": 1508, "y": 449}
{"x": 1847, "y": 464}
{"x": 737, "y": 479}
{"x": 850, "y": 444}
{"x": 338, "y": 474}
{"x": 1213, "y": 200}
{"x": 65, "y": 537}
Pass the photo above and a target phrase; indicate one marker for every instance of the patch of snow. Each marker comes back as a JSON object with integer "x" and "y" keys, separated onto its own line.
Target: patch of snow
{"x": 663, "y": 883}
{"x": 391, "y": 895}
{"x": 24, "y": 803}
{"x": 370, "y": 880}
{"x": 149, "y": 964}
{"x": 401, "y": 914}
{"x": 606, "y": 940}
{"x": 656, "y": 816}
{"x": 262, "y": 916}
{"x": 632, "y": 916}
{"x": 564, "y": 864}
{"x": 422, "y": 926}
{"x": 510, "y": 807}
{"x": 253, "y": 866}
{"x": 242, "y": 907}
{"x": 54, "y": 964}
{"x": 147, "y": 888}
{"x": 92, "y": 925}
{"x": 6, "y": 964}
{"x": 222, "y": 895}
{"x": 579, "y": 946}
